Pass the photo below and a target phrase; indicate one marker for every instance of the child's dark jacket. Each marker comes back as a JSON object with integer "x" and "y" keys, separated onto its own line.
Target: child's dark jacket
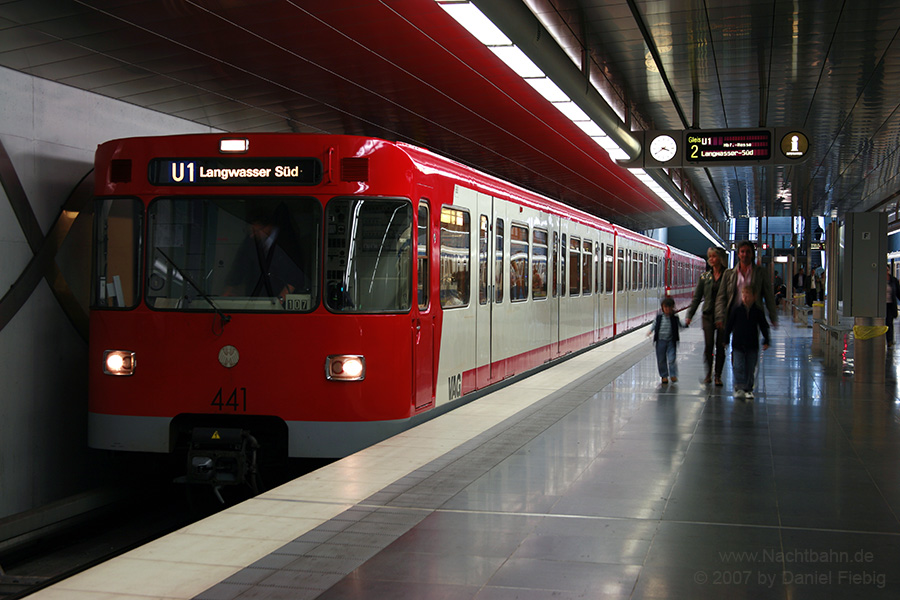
{"x": 676, "y": 325}
{"x": 744, "y": 327}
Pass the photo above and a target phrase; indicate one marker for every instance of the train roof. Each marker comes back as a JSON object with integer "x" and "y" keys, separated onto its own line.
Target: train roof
{"x": 426, "y": 161}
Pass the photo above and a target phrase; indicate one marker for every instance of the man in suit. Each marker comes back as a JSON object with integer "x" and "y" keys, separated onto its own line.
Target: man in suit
{"x": 800, "y": 283}
{"x": 746, "y": 272}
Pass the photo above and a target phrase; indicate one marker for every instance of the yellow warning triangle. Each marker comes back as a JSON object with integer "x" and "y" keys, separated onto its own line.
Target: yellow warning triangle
{"x": 216, "y": 436}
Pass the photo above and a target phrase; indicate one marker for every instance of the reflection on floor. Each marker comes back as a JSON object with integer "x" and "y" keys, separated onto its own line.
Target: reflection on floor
{"x": 615, "y": 486}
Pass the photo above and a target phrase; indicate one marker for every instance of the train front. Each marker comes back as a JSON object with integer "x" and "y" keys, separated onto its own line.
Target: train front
{"x": 249, "y": 305}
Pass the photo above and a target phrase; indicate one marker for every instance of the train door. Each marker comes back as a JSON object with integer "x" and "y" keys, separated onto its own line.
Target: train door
{"x": 563, "y": 314}
{"x": 424, "y": 322}
{"x": 554, "y": 285}
{"x": 622, "y": 291}
{"x": 598, "y": 298}
{"x": 608, "y": 268}
{"x": 484, "y": 275}
{"x": 500, "y": 309}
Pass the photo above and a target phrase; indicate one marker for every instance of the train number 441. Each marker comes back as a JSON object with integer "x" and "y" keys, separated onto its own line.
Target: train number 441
{"x": 236, "y": 400}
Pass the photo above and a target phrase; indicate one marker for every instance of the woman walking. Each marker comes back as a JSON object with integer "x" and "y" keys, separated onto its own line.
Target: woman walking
{"x": 707, "y": 289}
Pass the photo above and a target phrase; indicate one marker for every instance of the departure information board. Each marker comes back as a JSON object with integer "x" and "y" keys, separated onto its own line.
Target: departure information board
{"x": 701, "y": 148}
{"x": 719, "y": 146}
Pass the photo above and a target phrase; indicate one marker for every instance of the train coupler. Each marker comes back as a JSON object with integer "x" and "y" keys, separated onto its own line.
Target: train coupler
{"x": 221, "y": 457}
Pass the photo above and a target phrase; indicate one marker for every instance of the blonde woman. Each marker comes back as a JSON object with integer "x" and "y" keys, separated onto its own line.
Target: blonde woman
{"x": 706, "y": 291}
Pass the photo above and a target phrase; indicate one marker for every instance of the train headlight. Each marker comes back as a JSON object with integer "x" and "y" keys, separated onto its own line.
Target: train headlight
{"x": 345, "y": 367}
{"x": 119, "y": 362}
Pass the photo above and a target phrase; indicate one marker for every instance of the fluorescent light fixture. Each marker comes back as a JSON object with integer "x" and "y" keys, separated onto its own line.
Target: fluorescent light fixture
{"x": 590, "y": 128}
{"x": 571, "y": 110}
{"x": 657, "y": 189}
{"x": 612, "y": 148}
{"x": 474, "y": 21}
{"x": 516, "y": 60}
{"x": 549, "y": 90}
{"x": 618, "y": 154}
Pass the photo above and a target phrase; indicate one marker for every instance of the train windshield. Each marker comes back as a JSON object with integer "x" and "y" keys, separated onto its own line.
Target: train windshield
{"x": 256, "y": 254}
{"x": 233, "y": 254}
{"x": 369, "y": 255}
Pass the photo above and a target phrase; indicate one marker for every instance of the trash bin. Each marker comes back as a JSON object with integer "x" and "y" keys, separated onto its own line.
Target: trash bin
{"x": 868, "y": 350}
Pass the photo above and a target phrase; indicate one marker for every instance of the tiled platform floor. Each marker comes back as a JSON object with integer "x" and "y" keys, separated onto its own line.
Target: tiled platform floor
{"x": 630, "y": 489}
{"x": 612, "y": 486}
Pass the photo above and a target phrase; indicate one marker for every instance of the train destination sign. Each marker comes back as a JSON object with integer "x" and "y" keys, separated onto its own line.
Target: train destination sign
{"x": 723, "y": 147}
{"x": 234, "y": 171}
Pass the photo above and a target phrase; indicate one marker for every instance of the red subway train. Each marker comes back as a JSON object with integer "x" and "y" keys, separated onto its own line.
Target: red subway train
{"x": 308, "y": 295}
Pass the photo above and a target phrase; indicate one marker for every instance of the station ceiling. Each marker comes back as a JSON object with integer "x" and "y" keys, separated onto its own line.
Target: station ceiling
{"x": 404, "y": 70}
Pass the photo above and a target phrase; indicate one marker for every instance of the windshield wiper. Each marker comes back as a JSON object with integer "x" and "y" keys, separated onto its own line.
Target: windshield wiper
{"x": 225, "y": 318}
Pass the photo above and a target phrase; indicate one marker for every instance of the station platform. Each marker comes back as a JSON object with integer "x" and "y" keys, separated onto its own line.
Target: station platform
{"x": 587, "y": 480}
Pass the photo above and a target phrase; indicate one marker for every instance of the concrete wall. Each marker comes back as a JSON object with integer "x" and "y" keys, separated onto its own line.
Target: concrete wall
{"x": 50, "y": 132}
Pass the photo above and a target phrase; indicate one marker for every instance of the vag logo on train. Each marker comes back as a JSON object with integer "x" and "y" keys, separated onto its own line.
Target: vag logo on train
{"x": 454, "y": 383}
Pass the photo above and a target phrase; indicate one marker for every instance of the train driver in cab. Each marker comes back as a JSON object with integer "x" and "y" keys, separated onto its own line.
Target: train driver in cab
{"x": 266, "y": 264}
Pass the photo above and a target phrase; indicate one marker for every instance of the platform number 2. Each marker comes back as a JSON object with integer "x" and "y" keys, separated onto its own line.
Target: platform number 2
{"x": 455, "y": 384}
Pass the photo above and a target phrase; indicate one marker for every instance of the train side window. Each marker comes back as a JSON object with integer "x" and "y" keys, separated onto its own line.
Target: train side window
{"x": 633, "y": 259}
{"x": 539, "y": 264}
{"x": 620, "y": 271}
{"x": 518, "y": 263}
{"x": 609, "y": 261}
{"x": 483, "y": 242}
{"x": 555, "y": 287}
{"x": 455, "y": 257}
{"x": 116, "y": 277}
{"x": 498, "y": 262}
{"x": 640, "y": 268}
{"x": 629, "y": 264}
{"x": 598, "y": 252}
{"x": 586, "y": 263}
{"x": 574, "y": 266}
{"x": 563, "y": 251}
{"x": 423, "y": 254}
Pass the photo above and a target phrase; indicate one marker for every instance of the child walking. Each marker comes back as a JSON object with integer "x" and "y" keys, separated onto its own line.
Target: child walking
{"x": 665, "y": 336}
{"x": 744, "y": 325}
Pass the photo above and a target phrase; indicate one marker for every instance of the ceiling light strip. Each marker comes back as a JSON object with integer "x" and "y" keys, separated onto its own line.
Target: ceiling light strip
{"x": 485, "y": 31}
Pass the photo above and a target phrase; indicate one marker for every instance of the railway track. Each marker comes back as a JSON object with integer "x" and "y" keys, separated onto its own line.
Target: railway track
{"x": 46, "y": 557}
{"x": 112, "y": 523}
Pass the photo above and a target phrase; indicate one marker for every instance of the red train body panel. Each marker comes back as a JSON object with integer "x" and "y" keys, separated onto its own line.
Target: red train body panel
{"x": 330, "y": 291}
